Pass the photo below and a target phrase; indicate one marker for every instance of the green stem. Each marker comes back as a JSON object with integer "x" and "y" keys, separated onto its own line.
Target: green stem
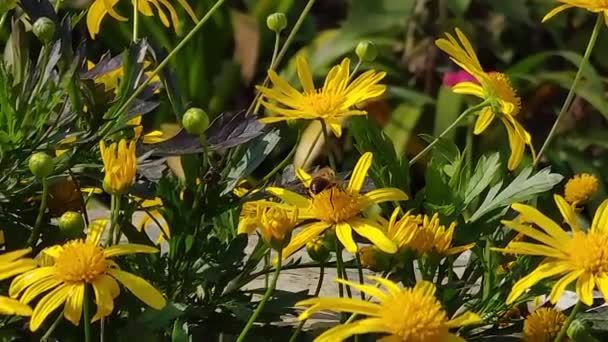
{"x": 262, "y": 303}
{"x": 566, "y": 106}
{"x": 283, "y": 51}
{"x": 164, "y": 63}
{"x": 448, "y": 129}
{"x": 332, "y": 161}
{"x": 36, "y": 231}
{"x": 469, "y": 145}
{"x": 114, "y": 214}
{"x": 571, "y": 317}
{"x": 294, "y": 336}
{"x": 341, "y": 270}
{"x": 87, "y": 314}
{"x": 360, "y": 270}
{"x": 57, "y": 5}
{"x": 275, "y": 51}
{"x": 266, "y": 263}
{"x": 135, "y": 20}
{"x": 51, "y": 329}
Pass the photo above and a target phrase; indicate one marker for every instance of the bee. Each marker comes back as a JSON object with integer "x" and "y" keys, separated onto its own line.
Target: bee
{"x": 322, "y": 179}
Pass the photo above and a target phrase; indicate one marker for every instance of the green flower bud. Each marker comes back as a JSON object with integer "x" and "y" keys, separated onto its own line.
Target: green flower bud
{"x": 366, "y": 51}
{"x": 579, "y": 331}
{"x": 41, "y": 164}
{"x": 44, "y": 29}
{"x": 71, "y": 224}
{"x": 195, "y": 121}
{"x": 276, "y": 22}
{"x": 317, "y": 250}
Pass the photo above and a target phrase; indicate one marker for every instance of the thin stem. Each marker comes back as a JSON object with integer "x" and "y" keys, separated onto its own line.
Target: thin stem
{"x": 135, "y": 20}
{"x": 360, "y": 271}
{"x": 275, "y": 51}
{"x": 332, "y": 161}
{"x": 36, "y": 231}
{"x": 341, "y": 270}
{"x": 87, "y": 314}
{"x": 294, "y": 336}
{"x": 469, "y": 145}
{"x": 566, "y": 106}
{"x": 283, "y": 51}
{"x": 57, "y": 5}
{"x": 447, "y": 130}
{"x": 166, "y": 60}
{"x": 571, "y": 317}
{"x": 52, "y": 328}
{"x": 354, "y": 71}
{"x": 266, "y": 263}
{"x": 114, "y": 214}
{"x": 262, "y": 303}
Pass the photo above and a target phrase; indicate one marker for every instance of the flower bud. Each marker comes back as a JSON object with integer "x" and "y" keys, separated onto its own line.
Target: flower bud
{"x": 579, "y": 330}
{"x": 276, "y": 224}
{"x": 44, "y": 29}
{"x": 366, "y": 51}
{"x": 195, "y": 121}
{"x": 276, "y": 22}
{"x": 71, "y": 224}
{"x": 41, "y": 164}
{"x": 317, "y": 250}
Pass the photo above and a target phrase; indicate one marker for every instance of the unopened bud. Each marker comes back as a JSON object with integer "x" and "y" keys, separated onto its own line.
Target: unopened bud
{"x": 317, "y": 250}
{"x": 276, "y": 22}
{"x": 195, "y": 121}
{"x": 41, "y": 164}
{"x": 44, "y": 29}
{"x": 71, "y": 224}
{"x": 366, "y": 51}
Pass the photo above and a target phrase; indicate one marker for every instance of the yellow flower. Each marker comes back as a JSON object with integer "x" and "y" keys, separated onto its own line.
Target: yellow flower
{"x": 120, "y": 165}
{"x": 275, "y": 223}
{"x": 342, "y": 208}
{"x": 330, "y": 104}
{"x": 99, "y": 9}
{"x": 581, "y": 256}
{"x": 67, "y": 269}
{"x": 580, "y": 188}
{"x": 409, "y": 314}
{"x": 12, "y": 264}
{"x": 543, "y": 325}
{"x": 423, "y": 234}
{"x": 494, "y": 87}
{"x": 595, "y": 6}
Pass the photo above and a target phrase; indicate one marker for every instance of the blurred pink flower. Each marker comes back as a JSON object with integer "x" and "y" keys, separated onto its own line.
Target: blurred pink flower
{"x": 454, "y": 77}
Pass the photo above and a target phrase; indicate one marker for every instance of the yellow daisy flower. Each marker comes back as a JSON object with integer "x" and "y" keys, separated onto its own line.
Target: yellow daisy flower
{"x": 580, "y": 188}
{"x": 99, "y": 9}
{"x": 595, "y": 6}
{"x": 67, "y": 269}
{"x": 342, "y": 208}
{"x": 408, "y": 314}
{"x": 120, "y": 165}
{"x": 331, "y": 103}
{"x": 581, "y": 256}
{"x": 12, "y": 264}
{"x": 543, "y": 325}
{"x": 494, "y": 87}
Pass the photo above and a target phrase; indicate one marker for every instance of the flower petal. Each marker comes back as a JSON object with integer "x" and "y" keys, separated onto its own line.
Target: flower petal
{"x": 383, "y": 195}
{"x": 103, "y": 288}
{"x": 74, "y": 304}
{"x": 467, "y": 318}
{"x": 304, "y": 176}
{"x": 544, "y": 270}
{"x": 602, "y": 285}
{"x": 343, "y": 332}
{"x": 9, "y": 306}
{"x": 374, "y": 234}
{"x": 360, "y": 172}
{"x": 337, "y": 304}
{"x": 11, "y": 269}
{"x": 584, "y": 288}
{"x": 345, "y": 235}
{"x": 27, "y": 279}
{"x": 96, "y": 229}
{"x": 390, "y": 286}
{"x": 128, "y": 248}
{"x": 555, "y": 11}
{"x": 368, "y": 289}
{"x": 567, "y": 212}
{"x": 485, "y": 118}
{"x": 48, "y": 304}
{"x": 304, "y": 74}
{"x": 14, "y": 255}
{"x": 600, "y": 219}
{"x": 548, "y": 225}
{"x": 140, "y": 288}
{"x": 468, "y": 88}
{"x": 307, "y": 233}
{"x": 289, "y": 197}
{"x": 35, "y": 289}
{"x": 560, "y": 286}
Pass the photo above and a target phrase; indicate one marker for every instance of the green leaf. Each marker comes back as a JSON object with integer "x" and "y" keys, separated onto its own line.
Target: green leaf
{"x": 366, "y": 17}
{"x": 447, "y": 110}
{"x": 486, "y": 172}
{"x": 180, "y": 331}
{"x": 401, "y": 126}
{"x": 524, "y": 187}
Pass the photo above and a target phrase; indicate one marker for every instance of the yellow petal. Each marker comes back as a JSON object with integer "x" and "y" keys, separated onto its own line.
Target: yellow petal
{"x": 129, "y": 248}
{"x": 360, "y": 172}
{"x": 336, "y": 128}
{"x": 467, "y": 318}
{"x": 345, "y": 236}
{"x": 555, "y": 11}
{"x": 343, "y": 332}
{"x": 517, "y": 145}
{"x": 560, "y": 286}
{"x": 96, "y": 229}
{"x": 48, "y": 304}
{"x": 27, "y": 279}
{"x": 74, "y": 304}
{"x": 140, "y": 288}
{"x": 39, "y": 287}
{"x": 584, "y": 288}
{"x": 383, "y": 195}
{"x": 600, "y": 219}
{"x": 485, "y": 118}
{"x": 304, "y": 74}
{"x": 14, "y": 255}
{"x": 544, "y": 270}
{"x": 392, "y": 287}
{"x": 304, "y": 176}
{"x": 426, "y": 288}
{"x": 534, "y": 233}
{"x": 567, "y": 212}
{"x": 289, "y": 197}
{"x": 550, "y": 227}
{"x": 368, "y": 289}
{"x": 102, "y": 287}
{"x": 373, "y": 233}
{"x": 527, "y": 248}
{"x": 337, "y": 304}
{"x": 9, "y": 306}
{"x": 16, "y": 267}
{"x": 468, "y": 88}
{"x": 602, "y": 285}
{"x": 307, "y": 233}
{"x": 97, "y": 11}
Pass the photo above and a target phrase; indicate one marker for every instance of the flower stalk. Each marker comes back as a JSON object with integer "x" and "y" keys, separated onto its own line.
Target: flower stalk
{"x": 562, "y": 332}
{"x": 87, "y": 313}
{"x": 36, "y": 231}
